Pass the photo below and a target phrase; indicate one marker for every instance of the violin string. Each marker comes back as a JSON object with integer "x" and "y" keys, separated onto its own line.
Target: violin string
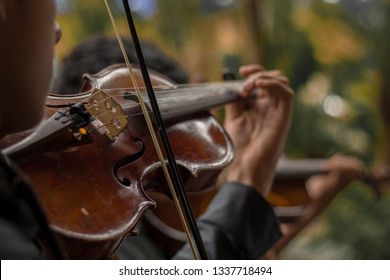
{"x": 182, "y": 88}
{"x": 127, "y": 115}
{"x": 153, "y": 136}
{"x": 185, "y": 90}
{"x": 98, "y": 102}
{"x": 107, "y": 112}
{"x": 107, "y": 98}
{"x": 110, "y": 122}
{"x": 103, "y": 114}
{"x": 92, "y": 95}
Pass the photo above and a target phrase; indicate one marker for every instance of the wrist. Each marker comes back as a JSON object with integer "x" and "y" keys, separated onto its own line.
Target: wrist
{"x": 261, "y": 182}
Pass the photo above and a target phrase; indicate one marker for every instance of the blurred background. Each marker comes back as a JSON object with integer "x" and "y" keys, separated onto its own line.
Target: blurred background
{"x": 335, "y": 53}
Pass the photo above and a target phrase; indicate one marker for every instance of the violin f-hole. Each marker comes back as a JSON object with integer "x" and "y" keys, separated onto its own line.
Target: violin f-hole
{"x": 126, "y": 161}
{"x": 131, "y": 96}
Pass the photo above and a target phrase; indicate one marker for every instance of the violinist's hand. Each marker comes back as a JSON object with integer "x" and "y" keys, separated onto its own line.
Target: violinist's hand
{"x": 321, "y": 190}
{"x": 259, "y": 132}
{"x": 342, "y": 170}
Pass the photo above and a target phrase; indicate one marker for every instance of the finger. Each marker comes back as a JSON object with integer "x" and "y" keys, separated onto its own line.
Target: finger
{"x": 268, "y": 81}
{"x": 274, "y": 86}
{"x": 233, "y": 111}
{"x": 381, "y": 173}
{"x": 263, "y": 79}
{"x": 273, "y": 75}
{"x": 249, "y": 85}
{"x": 247, "y": 70}
{"x": 346, "y": 166}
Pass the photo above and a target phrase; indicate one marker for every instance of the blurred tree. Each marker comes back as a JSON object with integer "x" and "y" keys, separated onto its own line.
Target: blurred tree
{"x": 89, "y": 18}
{"x": 336, "y": 111}
{"x": 357, "y": 219}
{"x": 330, "y": 50}
{"x": 361, "y": 223}
{"x": 383, "y": 42}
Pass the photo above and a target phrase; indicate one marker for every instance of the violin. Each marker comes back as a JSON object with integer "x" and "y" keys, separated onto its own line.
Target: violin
{"x": 95, "y": 185}
{"x": 288, "y": 198}
{"x": 92, "y": 174}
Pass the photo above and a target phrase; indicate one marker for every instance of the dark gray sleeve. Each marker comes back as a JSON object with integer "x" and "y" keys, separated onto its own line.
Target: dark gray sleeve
{"x": 18, "y": 228}
{"x": 17, "y": 245}
{"x": 238, "y": 224}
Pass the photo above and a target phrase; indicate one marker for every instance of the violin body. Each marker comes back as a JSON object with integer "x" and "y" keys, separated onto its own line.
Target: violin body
{"x": 288, "y": 197}
{"x": 93, "y": 189}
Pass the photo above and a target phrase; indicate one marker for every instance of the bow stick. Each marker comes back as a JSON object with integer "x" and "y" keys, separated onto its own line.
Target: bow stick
{"x": 176, "y": 186}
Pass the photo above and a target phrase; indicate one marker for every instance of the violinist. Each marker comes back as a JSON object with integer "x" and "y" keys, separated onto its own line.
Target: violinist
{"x": 321, "y": 189}
{"x": 96, "y": 53}
{"x": 239, "y": 222}
{"x": 26, "y": 51}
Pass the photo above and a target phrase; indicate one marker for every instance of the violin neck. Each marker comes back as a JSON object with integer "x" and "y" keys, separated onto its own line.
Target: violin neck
{"x": 299, "y": 168}
{"x": 189, "y": 99}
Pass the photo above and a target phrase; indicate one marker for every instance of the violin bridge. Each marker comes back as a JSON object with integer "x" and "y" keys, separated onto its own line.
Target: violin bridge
{"x": 108, "y": 112}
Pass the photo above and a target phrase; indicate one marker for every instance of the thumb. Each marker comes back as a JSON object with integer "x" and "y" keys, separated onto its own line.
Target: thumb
{"x": 233, "y": 111}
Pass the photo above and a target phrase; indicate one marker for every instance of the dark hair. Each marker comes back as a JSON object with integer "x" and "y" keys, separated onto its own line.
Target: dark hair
{"x": 96, "y": 53}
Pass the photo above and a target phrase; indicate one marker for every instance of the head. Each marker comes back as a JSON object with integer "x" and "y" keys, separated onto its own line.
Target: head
{"x": 28, "y": 33}
{"x": 96, "y": 53}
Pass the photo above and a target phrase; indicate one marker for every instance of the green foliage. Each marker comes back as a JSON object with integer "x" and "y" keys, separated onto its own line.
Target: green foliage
{"x": 330, "y": 54}
{"x": 360, "y": 221}
{"x": 90, "y": 17}
{"x": 175, "y": 19}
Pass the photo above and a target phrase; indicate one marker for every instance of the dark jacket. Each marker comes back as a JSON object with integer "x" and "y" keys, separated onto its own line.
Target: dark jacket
{"x": 238, "y": 224}
{"x": 22, "y": 219}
